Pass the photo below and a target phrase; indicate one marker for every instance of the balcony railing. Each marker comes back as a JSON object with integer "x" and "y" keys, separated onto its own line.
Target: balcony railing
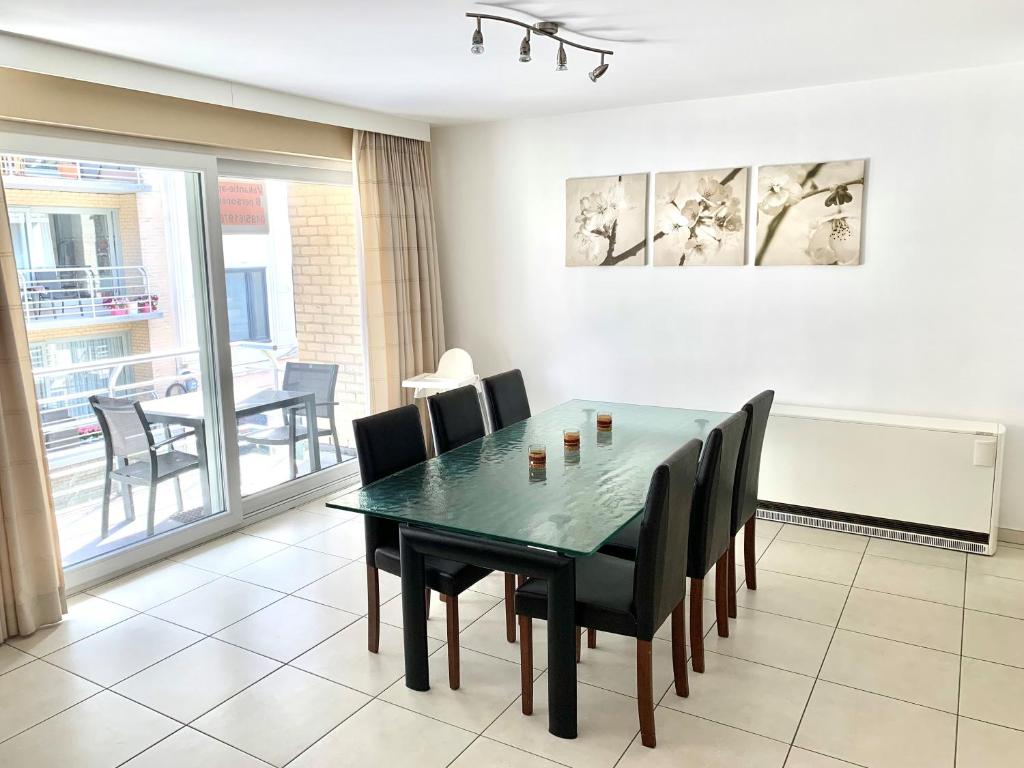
{"x": 68, "y": 170}
{"x": 75, "y": 294}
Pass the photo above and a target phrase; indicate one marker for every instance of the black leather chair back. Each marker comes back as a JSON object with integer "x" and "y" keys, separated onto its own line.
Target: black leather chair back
{"x": 455, "y": 418}
{"x": 506, "y": 398}
{"x": 711, "y": 520}
{"x": 744, "y": 504}
{"x": 659, "y": 581}
{"x": 386, "y": 443}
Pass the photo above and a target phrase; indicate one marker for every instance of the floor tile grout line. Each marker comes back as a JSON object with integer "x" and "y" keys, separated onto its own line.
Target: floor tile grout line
{"x": 821, "y": 666}
{"x": 960, "y": 674}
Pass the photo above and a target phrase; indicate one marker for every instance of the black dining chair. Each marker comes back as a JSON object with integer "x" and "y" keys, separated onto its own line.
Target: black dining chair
{"x": 710, "y": 530}
{"x": 455, "y": 420}
{"x": 744, "y": 503}
{"x": 505, "y": 394}
{"x": 387, "y": 443}
{"x": 632, "y": 597}
{"x": 133, "y": 457}
{"x": 319, "y": 378}
{"x": 711, "y": 527}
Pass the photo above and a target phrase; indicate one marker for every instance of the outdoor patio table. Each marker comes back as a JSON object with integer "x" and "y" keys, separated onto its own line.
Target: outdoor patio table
{"x": 188, "y": 410}
{"x": 482, "y": 504}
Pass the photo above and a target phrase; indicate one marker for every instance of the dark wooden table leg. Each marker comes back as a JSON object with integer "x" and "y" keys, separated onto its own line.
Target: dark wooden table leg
{"x": 697, "y": 624}
{"x": 722, "y": 594}
{"x": 732, "y": 577}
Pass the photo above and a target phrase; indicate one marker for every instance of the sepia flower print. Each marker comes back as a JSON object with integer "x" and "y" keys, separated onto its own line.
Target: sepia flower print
{"x": 810, "y": 214}
{"x": 602, "y": 215}
{"x": 699, "y": 218}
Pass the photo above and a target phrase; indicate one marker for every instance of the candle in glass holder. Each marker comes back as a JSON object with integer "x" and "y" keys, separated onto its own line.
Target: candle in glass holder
{"x": 538, "y": 456}
{"x": 604, "y": 422}
{"x": 571, "y": 440}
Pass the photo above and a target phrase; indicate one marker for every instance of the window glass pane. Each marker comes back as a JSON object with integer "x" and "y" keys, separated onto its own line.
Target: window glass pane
{"x": 296, "y": 325}
{"x": 110, "y": 264}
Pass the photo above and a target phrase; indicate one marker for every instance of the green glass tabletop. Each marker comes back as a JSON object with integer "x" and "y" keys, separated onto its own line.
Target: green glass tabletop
{"x": 486, "y": 488}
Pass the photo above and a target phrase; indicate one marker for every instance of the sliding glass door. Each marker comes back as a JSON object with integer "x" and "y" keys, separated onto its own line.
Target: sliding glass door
{"x": 196, "y": 338}
{"x": 116, "y": 280}
{"x": 295, "y": 318}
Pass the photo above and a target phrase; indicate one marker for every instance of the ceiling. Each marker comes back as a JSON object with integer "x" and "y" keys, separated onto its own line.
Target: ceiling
{"x": 411, "y": 57}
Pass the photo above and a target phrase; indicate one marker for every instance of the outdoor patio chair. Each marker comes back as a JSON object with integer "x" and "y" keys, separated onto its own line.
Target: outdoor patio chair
{"x": 320, "y": 379}
{"x": 134, "y": 458}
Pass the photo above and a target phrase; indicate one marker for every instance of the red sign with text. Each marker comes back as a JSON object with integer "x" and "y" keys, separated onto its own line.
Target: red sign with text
{"x": 243, "y": 207}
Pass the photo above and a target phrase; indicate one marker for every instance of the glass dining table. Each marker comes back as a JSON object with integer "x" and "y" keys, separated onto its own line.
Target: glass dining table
{"x": 483, "y": 504}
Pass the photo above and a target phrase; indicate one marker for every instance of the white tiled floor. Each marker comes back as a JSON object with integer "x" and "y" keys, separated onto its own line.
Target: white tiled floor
{"x": 251, "y": 651}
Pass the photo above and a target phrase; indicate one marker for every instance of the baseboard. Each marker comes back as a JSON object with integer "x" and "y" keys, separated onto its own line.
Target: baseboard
{"x": 1011, "y": 536}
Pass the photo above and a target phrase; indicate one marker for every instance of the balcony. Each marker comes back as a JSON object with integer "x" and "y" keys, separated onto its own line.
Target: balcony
{"x": 23, "y": 171}
{"x": 62, "y": 297}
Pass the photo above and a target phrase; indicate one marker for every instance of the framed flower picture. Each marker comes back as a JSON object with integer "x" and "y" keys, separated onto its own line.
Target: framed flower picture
{"x": 700, "y": 218}
{"x": 606, "y": 221}
{"x": 810, "y": 213}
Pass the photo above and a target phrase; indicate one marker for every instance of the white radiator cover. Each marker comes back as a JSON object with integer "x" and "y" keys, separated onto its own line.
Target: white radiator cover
{"x": 912, "y": 478}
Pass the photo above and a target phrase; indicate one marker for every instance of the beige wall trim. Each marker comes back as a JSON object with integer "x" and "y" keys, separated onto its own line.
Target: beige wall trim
{"x": 44, "y": 57}
{"x": 58, "y": 101}
{"x": 1011, "y": 536}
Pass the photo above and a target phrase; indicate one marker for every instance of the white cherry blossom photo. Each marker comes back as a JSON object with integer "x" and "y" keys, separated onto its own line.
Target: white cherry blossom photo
{"x": 810, "y": 214}
{"x": 606, "y": 221}
{"x": 699, "y": 218}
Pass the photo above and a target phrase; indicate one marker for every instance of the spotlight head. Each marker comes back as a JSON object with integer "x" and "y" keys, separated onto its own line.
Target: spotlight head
{"x": 478, "y": 40}
{"x": 599, "y": 70}
{"x": 524, "y": 48}
{"x": 560, "y": 60}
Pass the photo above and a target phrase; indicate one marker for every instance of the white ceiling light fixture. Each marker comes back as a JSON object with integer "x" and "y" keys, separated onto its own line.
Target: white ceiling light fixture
{"x": 546, "y": 29}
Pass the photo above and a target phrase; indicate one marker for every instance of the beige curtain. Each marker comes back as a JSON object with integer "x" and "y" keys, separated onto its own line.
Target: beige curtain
{"x": 31, "y": 578}
{"x": 405, "y": 330}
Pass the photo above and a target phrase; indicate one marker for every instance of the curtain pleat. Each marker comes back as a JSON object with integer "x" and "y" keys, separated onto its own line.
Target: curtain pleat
{"x": 405, "y": 328}
{"x": 31, "y": 577}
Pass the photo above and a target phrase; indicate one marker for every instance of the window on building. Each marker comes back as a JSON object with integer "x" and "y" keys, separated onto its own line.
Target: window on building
{"x": 44, "y": 239}
{"x": 247, "y": 304}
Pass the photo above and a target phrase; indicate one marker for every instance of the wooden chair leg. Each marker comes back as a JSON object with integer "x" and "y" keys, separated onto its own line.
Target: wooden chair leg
{"x": 372, "y": 609}
{"x": 645, "y": 692}
{"x": 526, "y": 662}
{"x": 452, "y": 609}
{"x": 426, "y": 598}
{"x": 579, "y": 645}
{"x": 697, "y": 624}
{"x": 510, "y": 607}
{"x": 682, "y": 680}
{"x": 749, "y": 559}
{"x": 591, "y": 638}
{"x": 732, "y": 577}
{"x": 722, "y": 594}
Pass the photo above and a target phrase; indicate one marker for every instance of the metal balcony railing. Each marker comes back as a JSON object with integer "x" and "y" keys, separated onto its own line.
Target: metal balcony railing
{"x": 53, "y": 294}
{"x": 69, "y": 170}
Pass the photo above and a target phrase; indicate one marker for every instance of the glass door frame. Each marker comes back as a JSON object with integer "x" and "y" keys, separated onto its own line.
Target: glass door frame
{"x": 204, "y": 220}
{"x": 314, "y": 483}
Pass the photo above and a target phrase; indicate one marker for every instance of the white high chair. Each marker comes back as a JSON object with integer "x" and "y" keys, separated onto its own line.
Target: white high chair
{"x": 454, "y": 369}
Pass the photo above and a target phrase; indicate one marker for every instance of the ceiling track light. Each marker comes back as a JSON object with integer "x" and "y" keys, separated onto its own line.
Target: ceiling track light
{"x": 524, "y": 48}
{"x": 478, "y": 40}
{"x": 546, "y": 29}
{"x": 560, "y": 61}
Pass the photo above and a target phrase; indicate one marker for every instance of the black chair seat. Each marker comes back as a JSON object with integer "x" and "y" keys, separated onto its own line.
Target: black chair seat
{"x": 445, "y": 576}
{"x": 281, "y": 435}
{"x": 167, "y": 465}
{"x": 604, "y": 595}
{"x": 624, "y": 543}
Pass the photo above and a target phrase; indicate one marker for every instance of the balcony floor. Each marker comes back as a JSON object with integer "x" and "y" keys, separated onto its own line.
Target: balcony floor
{"x": 80, "y": 524}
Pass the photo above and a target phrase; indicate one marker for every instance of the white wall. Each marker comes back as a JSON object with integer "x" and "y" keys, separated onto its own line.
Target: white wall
{"x": 932, "y": 322}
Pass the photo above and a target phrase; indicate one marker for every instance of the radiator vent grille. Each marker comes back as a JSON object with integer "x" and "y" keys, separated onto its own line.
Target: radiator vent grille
{"x": 872, "y": 530}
